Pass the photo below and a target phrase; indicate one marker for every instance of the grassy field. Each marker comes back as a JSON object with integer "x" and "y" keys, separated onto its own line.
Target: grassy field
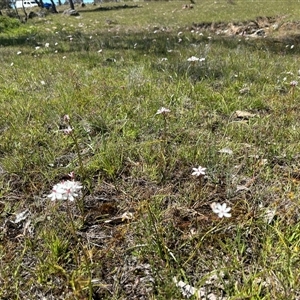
{"x": 84, "y": 95}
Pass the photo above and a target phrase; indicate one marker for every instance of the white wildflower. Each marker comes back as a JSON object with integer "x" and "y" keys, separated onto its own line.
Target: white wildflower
{"x": 198, "y": 171}
{"x": 65, "y": 190}
{"x": 221, "y": 210}
{"x": 57, "y": 192}
{"x": 193, "y": 59}
{"x": 163, "y": 111}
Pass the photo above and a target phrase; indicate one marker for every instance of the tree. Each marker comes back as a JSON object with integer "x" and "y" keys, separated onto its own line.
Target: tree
{"x": 5, "y": 4}
{"x": 39, "y": 3}
{"x": 53, "y": 7}
{"x": 72, "y": 4}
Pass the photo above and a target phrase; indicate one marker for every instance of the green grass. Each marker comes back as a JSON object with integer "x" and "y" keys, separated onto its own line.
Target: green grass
{"x": 142, "y": 218}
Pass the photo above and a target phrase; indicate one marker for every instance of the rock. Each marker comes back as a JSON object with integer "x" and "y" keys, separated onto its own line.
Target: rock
{"x": 41, "y": 14}
{"x": 32, "y": 15}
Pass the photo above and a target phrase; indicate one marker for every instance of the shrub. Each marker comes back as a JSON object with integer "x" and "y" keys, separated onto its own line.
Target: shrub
{"x": 7, "y": 23}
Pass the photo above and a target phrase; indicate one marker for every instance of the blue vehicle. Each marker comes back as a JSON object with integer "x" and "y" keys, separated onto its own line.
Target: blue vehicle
{"x": 47, "y": 5}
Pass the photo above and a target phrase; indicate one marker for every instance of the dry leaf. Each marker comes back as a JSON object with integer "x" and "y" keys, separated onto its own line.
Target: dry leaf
{"x": 269, "y": 215}
{"x": 22, "y": 216}
{"x": 226, "y": 150}
{"x": 245, "y": 90}
{"x": 243, "y": 114}
{"x": 126, "y": 216}
{"x": 241, "y": 188}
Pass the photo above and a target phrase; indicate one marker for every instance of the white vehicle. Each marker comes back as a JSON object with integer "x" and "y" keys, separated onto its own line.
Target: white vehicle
{"x": 26, "y": 3}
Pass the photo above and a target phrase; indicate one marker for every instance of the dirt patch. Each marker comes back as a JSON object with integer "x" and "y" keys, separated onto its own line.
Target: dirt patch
{"x": 260, "y": 27}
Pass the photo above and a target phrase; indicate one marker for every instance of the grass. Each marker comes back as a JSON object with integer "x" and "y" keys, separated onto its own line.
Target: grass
{"x": 142, "y": 218}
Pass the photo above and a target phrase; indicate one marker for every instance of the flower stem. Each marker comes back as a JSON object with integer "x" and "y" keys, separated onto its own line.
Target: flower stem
{"x": 75, "y": 140}
{"x": 200, "y": 187}
{"x": 85, "y": 256}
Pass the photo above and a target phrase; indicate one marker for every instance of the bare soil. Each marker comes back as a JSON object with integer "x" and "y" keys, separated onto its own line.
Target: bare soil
{"x": 260, "y": 27}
